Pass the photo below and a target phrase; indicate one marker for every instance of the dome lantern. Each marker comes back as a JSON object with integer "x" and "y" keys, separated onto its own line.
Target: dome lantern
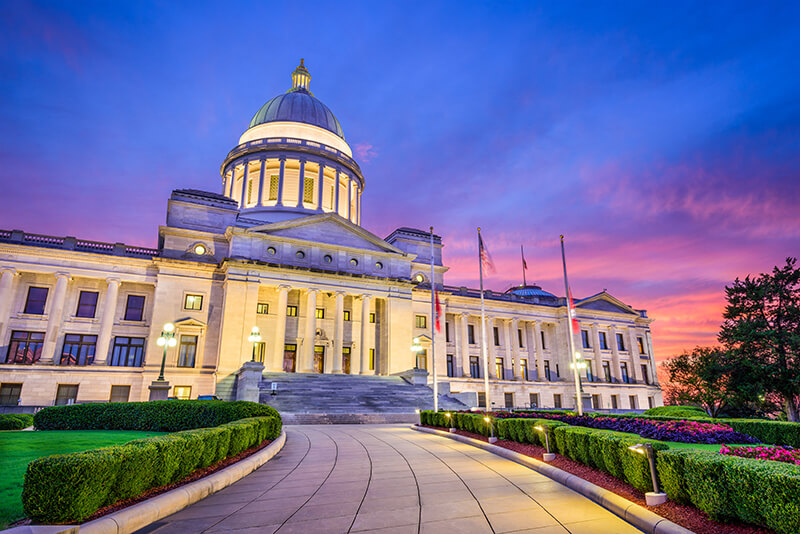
{"x": 301, "y": 79}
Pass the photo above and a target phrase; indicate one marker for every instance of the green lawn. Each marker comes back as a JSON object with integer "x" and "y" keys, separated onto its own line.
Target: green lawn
{"x": 17, "y": 448}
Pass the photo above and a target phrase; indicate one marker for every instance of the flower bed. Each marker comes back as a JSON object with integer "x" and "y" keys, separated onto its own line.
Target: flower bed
{"x": 776, "y": 454}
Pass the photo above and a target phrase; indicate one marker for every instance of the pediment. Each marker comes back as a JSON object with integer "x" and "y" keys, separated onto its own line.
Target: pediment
{"x": 190, "y": 322}
{"x": 327, "y": 228}
{"x": 605, "y": 302}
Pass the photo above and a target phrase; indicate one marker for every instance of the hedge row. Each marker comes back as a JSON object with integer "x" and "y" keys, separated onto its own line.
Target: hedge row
{"x": 727, "y": 487}
{"x": 70, "y": 487}
{"x": 468, "y": 422}
{"x": 15, "y": 421}
{"x": 157, "y": 416}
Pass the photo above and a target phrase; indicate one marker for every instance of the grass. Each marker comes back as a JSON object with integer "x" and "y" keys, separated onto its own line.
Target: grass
{"x": 18, "y": 448}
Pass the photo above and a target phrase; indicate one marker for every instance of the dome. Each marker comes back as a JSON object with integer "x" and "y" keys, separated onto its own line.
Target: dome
{"x": 530, "y": 291}
{"x": 298, "y": 105}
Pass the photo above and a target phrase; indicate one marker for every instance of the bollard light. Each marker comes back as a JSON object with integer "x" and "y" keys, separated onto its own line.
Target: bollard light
{"x": 450, "y": 420}
{"x": 492, "y": 439}
{"x": 655, "y": 497}
{"x": 548, "y": 456}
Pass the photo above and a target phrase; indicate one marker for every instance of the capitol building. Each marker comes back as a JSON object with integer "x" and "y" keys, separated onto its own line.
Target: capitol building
{"x": 280, "y": 247}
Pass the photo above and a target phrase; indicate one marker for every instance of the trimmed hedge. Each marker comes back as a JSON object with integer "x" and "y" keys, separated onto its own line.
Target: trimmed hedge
{"x": 70, "y": 487}
{"x": 156, "y": 416}
{"x": 677, "y": 411}
{"x": 728, "y": 487}
{"x": 15, "y": 421}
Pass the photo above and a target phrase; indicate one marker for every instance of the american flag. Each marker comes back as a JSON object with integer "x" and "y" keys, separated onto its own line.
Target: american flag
{"x": 576, "y": 327}
{"x": 486, "y": 259}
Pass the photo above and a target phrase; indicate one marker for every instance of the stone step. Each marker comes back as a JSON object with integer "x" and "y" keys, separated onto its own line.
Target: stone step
{"x": 349, "y": 418}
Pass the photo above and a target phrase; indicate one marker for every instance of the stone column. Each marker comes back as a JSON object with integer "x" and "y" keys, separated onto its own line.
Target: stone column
{"x": 107, "y": 322}
{"x": 615, "y": 364}
{"x": 537, "y": 339}
{"x": 338, "y": 334}
{"x": 651, "y": 356}
{"x": 490, "y": 352}
{"x": 54, "y": 318}
{"x": 636, "y": 372}
{"x": 516, "y": 372}
{"x": 280, "y": 329}
{"x": 509, "y": 350}
{"x": 336, "y": 196}
{"x": 320, "y": 185}
{"x": 307, "y": 363}
{"x": 282, "y": 174}
{"x": 245, "y": 173}
{"x": 261, "y": 185}
{"x": 301, "y": 185}
{"x": 364, "y": 349}
{"x": 6, "y": 282}
{"x": 349, "y": 196}
{"x": 463, "y": 343}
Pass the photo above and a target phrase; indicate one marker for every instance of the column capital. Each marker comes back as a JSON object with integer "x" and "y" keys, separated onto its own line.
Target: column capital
{"x": 312, "y": 291}
{"x": 463, "y": 315}
{"x": 63, "y": 275}
{"x": 365, "y": 296}
{"x": 113, "y": 281}
{"x": 339, "y": 294}
{"x": 282, "y": 287}
{"x": 10, "y": 270}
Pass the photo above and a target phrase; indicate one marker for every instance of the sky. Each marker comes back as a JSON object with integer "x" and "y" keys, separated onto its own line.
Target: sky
{"x": 662, "y": 139}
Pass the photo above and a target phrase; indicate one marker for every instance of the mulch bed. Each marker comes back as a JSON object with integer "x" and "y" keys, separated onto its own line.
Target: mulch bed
{"x": 684, "y": 515}
{"x": 195, "y": 475}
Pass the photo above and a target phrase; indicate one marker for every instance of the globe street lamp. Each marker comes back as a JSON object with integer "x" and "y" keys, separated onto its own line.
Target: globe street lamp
{"x": 167, "y": 339}
{"x": 255, "y": 337}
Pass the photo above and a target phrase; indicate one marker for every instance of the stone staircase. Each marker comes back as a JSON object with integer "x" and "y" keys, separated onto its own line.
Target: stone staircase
{"x": 307, "y": 398}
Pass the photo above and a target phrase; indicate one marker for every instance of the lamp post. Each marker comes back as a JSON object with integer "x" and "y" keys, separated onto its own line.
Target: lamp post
{"x": 655, "y": 497}
{"x": 488, "y": 419}
{"x": 167, "y": 339}
{"x": 578, "y": 364}
{"x": 548, "y": 456}
{"x": 416, "y": 348}
{"x": 254, "y": 337}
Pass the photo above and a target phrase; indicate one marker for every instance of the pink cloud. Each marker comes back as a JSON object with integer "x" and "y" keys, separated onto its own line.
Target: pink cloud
{"x": 365, "y": 152}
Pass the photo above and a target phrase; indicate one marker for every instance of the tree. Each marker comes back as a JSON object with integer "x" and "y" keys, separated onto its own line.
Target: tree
{"x": 712, "y": 378}
{"x": 762, "y": 328}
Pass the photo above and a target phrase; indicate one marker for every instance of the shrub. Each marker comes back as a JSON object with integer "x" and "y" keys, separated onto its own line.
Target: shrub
{"x": 677, "y": 411}
{"x": 156, "y": 416}
{"x": 15, "y": 421}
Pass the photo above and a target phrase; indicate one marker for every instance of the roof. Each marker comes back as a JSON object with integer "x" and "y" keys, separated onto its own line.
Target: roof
{"x": 298, "y": 106}
{"x": 530, "y": 291}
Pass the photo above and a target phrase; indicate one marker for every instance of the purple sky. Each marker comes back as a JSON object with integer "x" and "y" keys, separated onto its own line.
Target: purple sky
{"x": 664, "y": 142}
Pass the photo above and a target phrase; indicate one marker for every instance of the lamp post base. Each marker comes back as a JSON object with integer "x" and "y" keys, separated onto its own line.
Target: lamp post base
{"x": 548, "y": 456}
{"x": 159, "y": 390}
{"x": 654, "y": 499}
{"x": 492, "y": 440}
{"x": 452, "y": 430}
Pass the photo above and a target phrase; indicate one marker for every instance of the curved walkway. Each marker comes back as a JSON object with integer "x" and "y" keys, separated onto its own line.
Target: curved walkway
{"x": 389, "y": 479}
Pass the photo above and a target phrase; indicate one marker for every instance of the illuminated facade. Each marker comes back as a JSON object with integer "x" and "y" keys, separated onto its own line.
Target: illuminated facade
{"x": 282, "y": 249}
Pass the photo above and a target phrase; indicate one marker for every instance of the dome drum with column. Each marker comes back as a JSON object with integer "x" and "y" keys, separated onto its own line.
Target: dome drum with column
{"x": 293, "y": 161}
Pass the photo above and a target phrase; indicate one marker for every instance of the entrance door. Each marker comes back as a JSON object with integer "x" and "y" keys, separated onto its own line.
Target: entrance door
{"x": 319, "y": 358}
{"x": 346, "y": 360}
{"x": 289, "y": 358}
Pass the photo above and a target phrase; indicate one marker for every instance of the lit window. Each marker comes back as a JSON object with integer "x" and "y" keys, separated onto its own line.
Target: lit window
{"x": 250, "y": 192}
{"x": 188, "y": 351}
{"x": 182, "y": 392}
{"x": 320, "y": 313}
{"x": 371, "y": 359}
{"x": 300, "y": 254}
{"x": 134, "y": 308}
{"x": 37, "y": 296}
{"x": 419, "y": 278}
{"x": 193, "y": 302}
{"x": 372, "y": 317}
{"x": 641, "y": 345}
{"x": 262, "y": 308}
{"x": 354, "y": 262}
{"x": 291, "y": 311}
{"x": 271, "y": 251}
{"x": 274, "y": 180}
{"x": 199, "y": 249}
{"x": 87, "y": 304}
{"x": 379, "y": 265}
{"x": 308, "y": 190}
{"x": 422, "y": 321}
{"x": 346, "y": 315}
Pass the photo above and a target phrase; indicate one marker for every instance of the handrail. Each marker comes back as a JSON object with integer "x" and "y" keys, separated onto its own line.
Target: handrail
{"x": 72, "y": 243}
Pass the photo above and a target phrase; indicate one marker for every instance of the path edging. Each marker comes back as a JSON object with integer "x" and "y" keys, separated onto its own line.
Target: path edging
{"x": 637, "y": 515}
{"x": 140, "y": 515}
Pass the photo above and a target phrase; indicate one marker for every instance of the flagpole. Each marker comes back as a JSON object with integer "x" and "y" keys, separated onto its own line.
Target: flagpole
{"x": 483, "y": 330}
{"x": 570, "y": 335}
{"x": 522, "y": 253}
{"x": 433, "y": 335}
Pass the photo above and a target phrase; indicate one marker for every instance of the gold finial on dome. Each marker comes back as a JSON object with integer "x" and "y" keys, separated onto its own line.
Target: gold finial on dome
{"x": 301, "y": 79}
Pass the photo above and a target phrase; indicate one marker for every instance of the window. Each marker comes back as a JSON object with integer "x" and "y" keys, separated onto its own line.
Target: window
{"x": 589, "y": 371}
{"x": 87, "y": 304}
{"x": 25, "y": 347}
{"x": 308, "y": 190}
{"x": 182, "y": 392}
{"x": 187, "y": 351}
{"x": 620, "y": 342}
{"x": 645, "y": 375}
{"x": 134, "y": 308}
{"x": 450, "y": 365}
{"x": 193, "y": 302}
{"x": 471, "y": 334}
{"x": 607, "y": 371}
{"x": 557, "y": 400}
{"x": 651, "y": 402}
{"x": 614, "y": 402}
{"x": 354, "y": 262}
{"x": 78, "y": 349}
{"x": 534, "y": 399}
{"x": 378, "y": 265}
{"x": 623, "y": 367}
{"x": 372, "y": 318}
{"x": 547, "y": 370}
{"x": 300, "y": 254}
{"x": 320, "y": 313}
{"x": 66, "y": 394}
{"x": 128, "y": 352}
{"x": 422, "y": 359}
{"x": 474, "y": 367}
{"x": 446, "y": 332}
{"x": 596, "y": 403}
{"x": 558, "y": 372}
{"x": 120, "y": 394}
{"x": 632, "y": 401}
{"x": 10, "y": 393}
{"x": 260, "y": 348}
{"x": 262, "y": 308}
{"x": 585, "y": 339}
{"x": 496, "y": 332}
{"x": 371, "y": 359}
{"x": 346, "y": 314}
{"x": 271, "y": 251}
{"x": 523, "y": 363}
{"x": 481, "y": 399}
{"x": 327, "y": 258}
{"x": 422, "y": 321}
{"x": 499, "y": 368}
{"x": 346, "y": 360}
{"x": 291, "y": 311}
{"x": 250, "y": 192}
{"x": 274, "y": 181}
{"x": 509, "y": 400}
{"x": 544, "y": 343}
{"x": 519, "y": 335}
{"x": 641, "y": 345}
{"x": 37, "y": 296}
{"x": 603, "y": 341}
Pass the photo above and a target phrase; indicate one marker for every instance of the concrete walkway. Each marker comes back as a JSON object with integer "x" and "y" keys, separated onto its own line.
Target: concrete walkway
{"x": 389, "y": 479}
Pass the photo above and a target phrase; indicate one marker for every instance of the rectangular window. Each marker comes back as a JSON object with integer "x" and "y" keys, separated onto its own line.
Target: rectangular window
{"x": 291, "y": 311}
{"x": 182, "y": 392}
{"x": 607, "y": 371}
{"x": 308, "y": 190}
{"x": 558, "y": 371}
{"x": 37, "y": 297}
{"x": 25, "y": 347}
{"x": 547, "y": 370}
{"x": 128, "y": 352}
{"x": 66, "y": 394}
{"x": 446, "y": 332}
{"x": 10, "y": 394}
{"x": 651, "y": 402}
{"x": 422, "y": 321}
{"x": 632, "y": 400}
{"x": 596, "y": 402}
{"x": 481, "y": 399}
{"x": 620, "y": 342}
{"x": 193, "y": 302}
{"x": 320, "y": 313}
{"x": 544, "y": 343}
{"x": 623, "y": 367}
{"x": 372, "y": 318}
{"x": 585, "y": 339}
{"x": 641, "y": 345}
{"x": 519, "y": 335}
{"x": 371, "y": 359}
{"x": 500, "y": 368}
{"x": 134, "y": 308}
{"x": 250, "y": 192}
{"x": 187, "y": 351}
{"x": 78, "y": 349}
{"x": 645, "y": 374}
{"x": 87, "y": 304}
{"x": 450, "y": 365}
{"x": 346, "y": 315}
{"x": 557, "y": 400}
{"x": 614, "y": 402}
{"x": 496, "y": 332}
{"x": 262, "y": 308}
{"x": 523, "y": 363}
{"x": 260, "y": 348}
{"x": 534, "y": 399}
{"x": 120, "y": 394}
{"x": 603, "y": 341}
{"x": 474, "y": 367}
{"x": 274, "y": 180}
{"x": 508, "y": 398}
{"x": 471, "y": 333}
{"x": 422, "y": 359}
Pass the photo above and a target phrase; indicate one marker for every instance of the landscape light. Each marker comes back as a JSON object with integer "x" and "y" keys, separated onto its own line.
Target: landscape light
{"x": 447, "y": 414}
{"x": 655, "y": 497}
{"x": 548, "y": 456}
